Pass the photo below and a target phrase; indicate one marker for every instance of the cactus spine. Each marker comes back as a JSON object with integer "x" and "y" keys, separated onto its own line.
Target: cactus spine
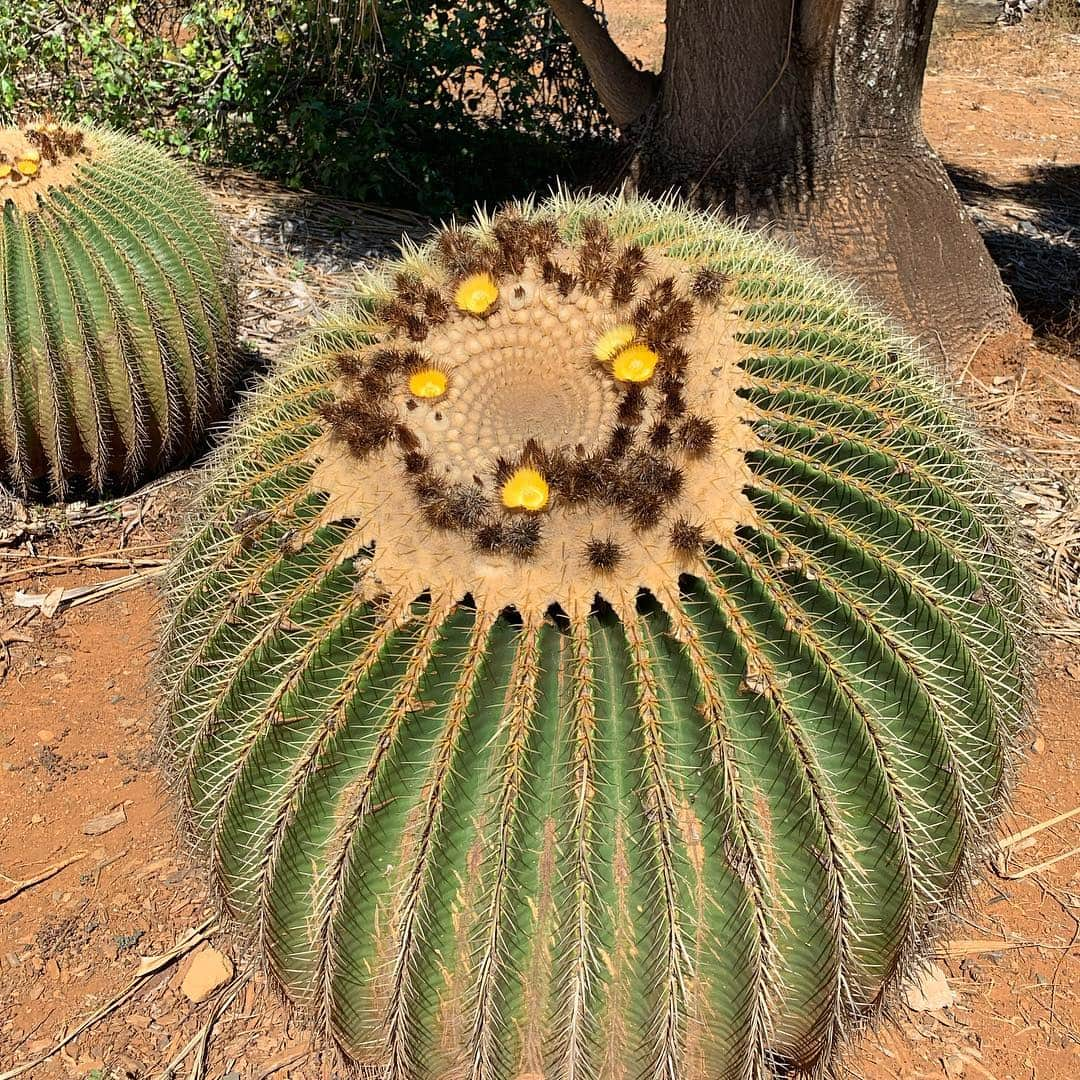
{"x": 594, "y": 656}
{"x": 116, "y": 310}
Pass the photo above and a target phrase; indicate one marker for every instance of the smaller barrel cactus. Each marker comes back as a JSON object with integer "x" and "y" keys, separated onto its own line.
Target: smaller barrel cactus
{"x": 116, "y": 310}
{"x": 594, "y": 656}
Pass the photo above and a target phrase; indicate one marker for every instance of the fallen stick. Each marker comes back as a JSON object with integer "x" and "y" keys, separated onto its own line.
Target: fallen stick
{"x": 102, "y": 562}
{"x": 224, "y": 1000}
{"x": 1012, "y": 841}
{"x": 1045, "y": 865}
{"x": 201, "y": 1039}
{"x": 52, "y": 871}
{"x": 50, "y": 603}
{"x": 956, "y": 950}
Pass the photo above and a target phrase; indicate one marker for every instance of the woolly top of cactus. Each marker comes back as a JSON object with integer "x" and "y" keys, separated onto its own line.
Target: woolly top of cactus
{"x": 38, "y": 157}
{"x": 539, "y": 422}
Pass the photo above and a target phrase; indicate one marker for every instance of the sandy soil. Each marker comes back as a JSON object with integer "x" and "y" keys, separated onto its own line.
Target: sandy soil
{"x": 77, "y": 774}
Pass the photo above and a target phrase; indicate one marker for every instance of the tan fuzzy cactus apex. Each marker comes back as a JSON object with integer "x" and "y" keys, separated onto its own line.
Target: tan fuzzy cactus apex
{"x": 593, "y": 656}
{"x": 631, "y": 478}
{"x": 116, "y": 310}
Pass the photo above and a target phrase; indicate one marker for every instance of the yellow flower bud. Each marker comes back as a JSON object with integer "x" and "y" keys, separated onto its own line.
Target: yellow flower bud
{"x": 428, "y": 383}
{"x": 613, "y": 341}
{"x": 635, "y": 364}
{"x": 525, "y": 490}
{"x": 477, "y": 294}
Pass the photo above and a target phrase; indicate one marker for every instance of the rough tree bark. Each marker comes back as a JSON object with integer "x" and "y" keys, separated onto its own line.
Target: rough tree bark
{"x": 804, "y": 115}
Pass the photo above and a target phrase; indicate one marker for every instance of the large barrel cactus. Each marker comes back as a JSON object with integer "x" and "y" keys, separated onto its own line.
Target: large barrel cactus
{"x": 594, "y": 657}
{"x": 116, "y": 310}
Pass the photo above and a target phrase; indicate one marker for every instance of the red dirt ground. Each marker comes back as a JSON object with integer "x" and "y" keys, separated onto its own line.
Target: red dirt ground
{"x": 76, "y": 742}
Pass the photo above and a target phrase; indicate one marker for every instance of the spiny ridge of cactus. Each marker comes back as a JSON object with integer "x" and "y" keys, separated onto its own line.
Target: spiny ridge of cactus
{"x": 594, "y": 655}
{"x": 116, "y": 310}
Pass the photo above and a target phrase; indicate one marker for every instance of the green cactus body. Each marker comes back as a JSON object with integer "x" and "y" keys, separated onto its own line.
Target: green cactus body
{"x": 116, "y": 310}
{"x": 594, "y": 657}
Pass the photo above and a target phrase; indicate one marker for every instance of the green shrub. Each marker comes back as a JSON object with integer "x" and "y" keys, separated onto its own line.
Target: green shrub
{"x": 443, "y": 104}
{"x": 594, "y": 654}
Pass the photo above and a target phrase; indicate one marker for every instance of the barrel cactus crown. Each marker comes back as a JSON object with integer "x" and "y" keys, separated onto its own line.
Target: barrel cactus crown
{"x": 593, "y": 657}
{"x": 116, "y": 310}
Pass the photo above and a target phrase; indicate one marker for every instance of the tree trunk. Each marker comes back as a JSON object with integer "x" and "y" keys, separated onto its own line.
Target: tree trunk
{"x": 803, "y": 115}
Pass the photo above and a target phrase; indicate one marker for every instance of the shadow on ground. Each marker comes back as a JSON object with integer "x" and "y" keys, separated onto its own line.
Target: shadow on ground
{"x": 1032, "y": 229}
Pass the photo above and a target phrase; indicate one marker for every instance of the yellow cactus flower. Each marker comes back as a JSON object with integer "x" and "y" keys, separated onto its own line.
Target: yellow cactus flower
{"x": 477, "y": 294}
{"x": 28, "y": 162}
{"x": 525, "y": 490}
{"x": 428, "y": 383}
{"x": 612, "y": 342}
{"x": 635, "y": 364}
{"x": 5, "y": 170}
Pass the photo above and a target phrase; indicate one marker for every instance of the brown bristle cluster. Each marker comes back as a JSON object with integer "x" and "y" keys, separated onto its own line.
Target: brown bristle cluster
{"x": 364, "y": 427}
{"x": 518, "y": 537}
{"x": 659, "y": 475}
{"x": 489, "y": 537}
{"x": 407, "y": 439}
{"x": 619, "y": 442}
{"x": 373, "y": 374}
{"x": 603, "y": 555}
{"x": 415, "y": 308}
{"x": 697, "y": 435}
{"x": 522, "y": 536}
{"x": 660, "y": 435}
{"x": 459, "y": 507}
{"x": 626, "y": 276}
{"x": 645, "y": 487}
{"x": 663, "y": 316}
{"x": 553, "y": 274}
{"x": 391, "y": 361}
{"x": 687, "y": 538}
{"x": 595, "y": 265}
{"x": 673, "y": 404}
{"x": 348, "y": 364}
{"x": 676, "y": 361}
{"x": 516, "y": 241}
{"x": 631, "y": 408}
{"x": 708, "y": 284}
{"x": 416, "y": 463}
{"x": 460, "y": 253}
{"x": 55, "y": 142}
{"x": 579, "y": 480}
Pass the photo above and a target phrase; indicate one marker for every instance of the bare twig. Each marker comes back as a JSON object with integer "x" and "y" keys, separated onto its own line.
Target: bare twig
{"x": 955, "y": 950}
{"x": 222, "y": 1002}
{"x": 50, "y": 603}
{"x": 21, "y": 886}
{"x": 1044, "y": 865}
{"x": 1033, "y": 830}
